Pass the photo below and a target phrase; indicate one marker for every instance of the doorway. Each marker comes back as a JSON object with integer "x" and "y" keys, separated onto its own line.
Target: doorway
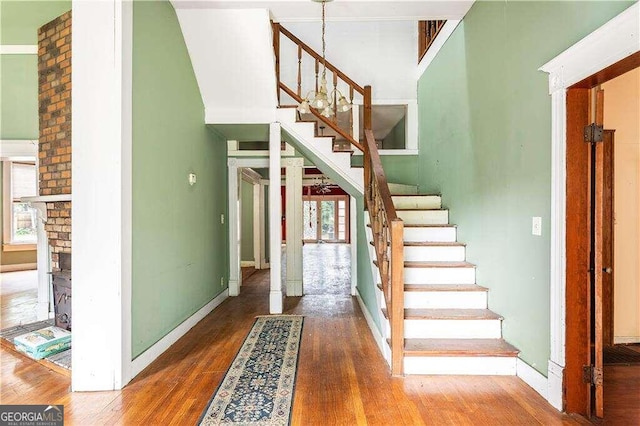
{"x": 592, "y": 245}
{"x": 325, "y": 219}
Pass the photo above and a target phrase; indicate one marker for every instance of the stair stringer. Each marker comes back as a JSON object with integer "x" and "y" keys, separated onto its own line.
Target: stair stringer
{"x": 336, "y": 165}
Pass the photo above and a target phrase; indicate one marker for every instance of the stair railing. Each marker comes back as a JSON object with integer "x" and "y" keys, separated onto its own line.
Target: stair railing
{"x": 427, "y": 33}
{"x": 387, "y": 227}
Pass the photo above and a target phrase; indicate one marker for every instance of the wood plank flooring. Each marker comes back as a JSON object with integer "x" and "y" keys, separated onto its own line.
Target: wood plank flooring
{"x": 342, "y": 378}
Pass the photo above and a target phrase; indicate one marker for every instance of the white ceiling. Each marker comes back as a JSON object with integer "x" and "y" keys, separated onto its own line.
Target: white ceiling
{"x": 342, "y": 10}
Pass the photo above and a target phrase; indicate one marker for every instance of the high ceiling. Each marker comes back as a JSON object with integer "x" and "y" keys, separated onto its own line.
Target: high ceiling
{"x": 342, "y": 10}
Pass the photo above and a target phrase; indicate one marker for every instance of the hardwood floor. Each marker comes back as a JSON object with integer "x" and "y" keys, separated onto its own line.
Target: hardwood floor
{"x": 19, "y": 294}
{"x": 342, "y": 378}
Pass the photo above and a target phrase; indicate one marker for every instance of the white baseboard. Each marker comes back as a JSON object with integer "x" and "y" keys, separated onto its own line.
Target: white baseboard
{"x": 532, "y": 377}
{"x": 19, "y": 267}
{"x": 626, "y": 339}
{"x": 372, "y": 326}
{"x": 147, "y": 357}
{"x": 247, "y": 263}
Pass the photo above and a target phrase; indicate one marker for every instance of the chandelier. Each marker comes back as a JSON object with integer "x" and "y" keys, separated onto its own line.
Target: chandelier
{"x": 322, "y": 100}
{"x": 321, "y": 186}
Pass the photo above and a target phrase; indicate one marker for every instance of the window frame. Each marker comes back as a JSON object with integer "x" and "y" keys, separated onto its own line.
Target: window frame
{"x": 8, "y": 243}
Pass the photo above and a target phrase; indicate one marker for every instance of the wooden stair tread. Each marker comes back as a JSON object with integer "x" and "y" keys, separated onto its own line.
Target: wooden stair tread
{"x": 441, "y": 287}
{"x": 429, "y": 225}
{"x": 438, "y": 264}
{"x": 447, "y": 314}
{"x": 416, "y": 195}
{"x": 459, "y": 347}
{"x": 444, "y": 287}
{"x": 417, "y": 209}
{"x": 433, "y": 244}
{"x": 451, "y": 314}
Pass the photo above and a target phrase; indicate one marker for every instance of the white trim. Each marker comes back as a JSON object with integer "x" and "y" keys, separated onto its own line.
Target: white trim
{"x": 353, "y": 242}
{"x": 239, "y": 115}
{"x": 275, "y": 213}
{"x": 435, "y": 47}
{"x": 18, "y": 267}
{"x": 143, "y": 360}
{"x": 18, "y": 49}
{"x": 612, "y": 42}
{"x": 532, "y": 377}
{"x": 11, "y": 148}
{"x": 47, "y": 198}
{"x": 101, "y": 142}
{"x": 622, "y": 340}
{"x": 235, "y": 275}
{"x": 247, "y": 263}
{"x": 233, "y": 151}
{"x": 380, "y": 341}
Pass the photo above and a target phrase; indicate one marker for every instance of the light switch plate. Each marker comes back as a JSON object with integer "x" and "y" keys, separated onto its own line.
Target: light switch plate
{"x": 222, "y": 218}
{"x": 536, "y": 226}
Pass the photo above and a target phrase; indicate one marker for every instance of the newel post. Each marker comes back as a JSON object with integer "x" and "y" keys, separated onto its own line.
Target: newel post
{"x": 397, "y": 297}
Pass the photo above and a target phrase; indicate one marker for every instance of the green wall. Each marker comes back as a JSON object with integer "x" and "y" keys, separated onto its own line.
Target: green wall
{"x": 365, "y": 285}
{"x": 246, "y": 240}
{"x": 179, "y": 245}
{"x": 19, "y": 23}
{"x": 396, "y": 138}
{"x": 485, "y": 130}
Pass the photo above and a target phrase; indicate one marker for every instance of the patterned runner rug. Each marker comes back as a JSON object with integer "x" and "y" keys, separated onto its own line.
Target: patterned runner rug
{"x": 258, "y": 387}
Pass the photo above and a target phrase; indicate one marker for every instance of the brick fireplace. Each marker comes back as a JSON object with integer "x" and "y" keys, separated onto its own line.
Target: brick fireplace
{"x": 54, "y": 148}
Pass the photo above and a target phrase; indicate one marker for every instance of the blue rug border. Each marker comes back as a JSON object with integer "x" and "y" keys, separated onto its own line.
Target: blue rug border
{"x": 206, "y": 408}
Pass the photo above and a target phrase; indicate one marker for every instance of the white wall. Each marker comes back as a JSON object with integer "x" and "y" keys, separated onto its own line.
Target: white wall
{"x": 232, "y": 55}
{"x": 622, "y": 113}
{"x": 382, "y": 54}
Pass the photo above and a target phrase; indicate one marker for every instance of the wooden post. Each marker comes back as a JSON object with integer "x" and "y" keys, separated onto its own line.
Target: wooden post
{"x": 276, "y": 48}
{"x": 396, "y": 316}
{"x": 367, "y": 108}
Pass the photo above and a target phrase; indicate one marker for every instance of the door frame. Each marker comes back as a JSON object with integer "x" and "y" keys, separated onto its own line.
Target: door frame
{"x": 600, "y": 56}
{"x": 335, "y": 198}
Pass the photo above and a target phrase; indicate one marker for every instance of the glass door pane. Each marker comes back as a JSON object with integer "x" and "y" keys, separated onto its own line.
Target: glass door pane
{"x": 328, "y": 218}
{"x": 310, "y": 220}
{"x": 342, "y": 220}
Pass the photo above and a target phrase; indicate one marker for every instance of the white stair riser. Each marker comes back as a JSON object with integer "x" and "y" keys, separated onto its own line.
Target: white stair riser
{"x": 434, "y": 253}
{"x": 452, "y": 329}
{"x": 426, "y": 217}
{"x": 425, "y": 234}
{"x": 417, "y": 202}
{"x": 401, "y": 189}
{"x": 467, "y": 365}
{"x": 445, "y": 299}
{"x": 439, "y": 275}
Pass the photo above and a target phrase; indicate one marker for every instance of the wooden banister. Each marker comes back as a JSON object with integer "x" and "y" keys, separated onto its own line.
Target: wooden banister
{"x": 427, "y": 33}
{"x": 318, "y": 57}
{"x": 387, "y": 227}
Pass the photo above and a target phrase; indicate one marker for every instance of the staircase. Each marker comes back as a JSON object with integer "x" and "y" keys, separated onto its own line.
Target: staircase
{"x": 447, "y": 326}
{"x": 437, "y": 316}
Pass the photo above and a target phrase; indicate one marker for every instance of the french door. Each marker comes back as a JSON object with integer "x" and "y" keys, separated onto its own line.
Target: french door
{"x": 326, "y": 218}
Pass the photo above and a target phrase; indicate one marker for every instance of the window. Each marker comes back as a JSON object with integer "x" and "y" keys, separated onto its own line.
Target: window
{"x": 19, "y": 218}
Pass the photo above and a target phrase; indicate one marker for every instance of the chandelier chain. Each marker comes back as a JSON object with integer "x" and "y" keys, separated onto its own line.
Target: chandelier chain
{"x": 324, "y": 43}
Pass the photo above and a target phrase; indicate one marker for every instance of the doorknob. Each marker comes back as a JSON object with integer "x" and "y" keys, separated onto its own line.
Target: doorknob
{"x": 607, "y": 270}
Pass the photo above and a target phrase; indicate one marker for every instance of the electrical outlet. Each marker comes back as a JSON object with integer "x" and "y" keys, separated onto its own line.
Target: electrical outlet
{"x": 221, "y": 281}
{"x": 222, "y": 218}
{"x": 536, "y": 226}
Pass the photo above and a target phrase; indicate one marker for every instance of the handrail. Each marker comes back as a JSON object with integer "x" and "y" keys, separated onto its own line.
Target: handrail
{"x": 328, "y": 64}
{"x": 387, "y": 227}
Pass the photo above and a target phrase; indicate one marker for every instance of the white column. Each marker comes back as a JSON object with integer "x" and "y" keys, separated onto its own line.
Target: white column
{"x": 275, "y": 214}
{"x": 45, "y": 307}
{"x": 353, "y": 242}
{"x": 235, "y": 275}
{"x": 257, "y": 236}
{"x": 558, "y": 262}
{"x": 293, "y": 170}
{"x": 101, "y": 208}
